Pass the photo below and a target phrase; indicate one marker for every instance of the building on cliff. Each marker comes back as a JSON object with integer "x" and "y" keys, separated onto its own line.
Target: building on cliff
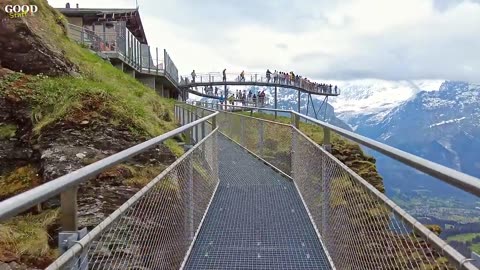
{"x": 118, "y": 35}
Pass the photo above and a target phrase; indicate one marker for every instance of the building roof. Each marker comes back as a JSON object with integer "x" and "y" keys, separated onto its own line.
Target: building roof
{"x": 90, "y": 15}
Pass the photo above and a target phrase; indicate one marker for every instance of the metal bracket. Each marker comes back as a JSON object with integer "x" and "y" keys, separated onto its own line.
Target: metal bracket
{"x": 66, "y": 240}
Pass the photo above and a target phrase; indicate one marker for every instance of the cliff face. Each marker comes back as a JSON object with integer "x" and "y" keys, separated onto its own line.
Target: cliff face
{"x": 61, "y": 108}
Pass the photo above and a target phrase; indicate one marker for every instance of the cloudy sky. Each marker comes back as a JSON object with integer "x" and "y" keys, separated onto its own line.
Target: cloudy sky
{"x": 341, "y": 40}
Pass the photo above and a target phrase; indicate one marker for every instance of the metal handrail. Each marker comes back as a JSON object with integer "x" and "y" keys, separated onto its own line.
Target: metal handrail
{"x": 15, "y": 205}
{"x": 461, "y": 180}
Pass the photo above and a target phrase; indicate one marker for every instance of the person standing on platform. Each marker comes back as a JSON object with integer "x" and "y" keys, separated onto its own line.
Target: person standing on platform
{"x": 269, "y": 73}
{"x": 193, "y": 76}
{"x": 242, "y": 76}
{"x": 224, "y": 75}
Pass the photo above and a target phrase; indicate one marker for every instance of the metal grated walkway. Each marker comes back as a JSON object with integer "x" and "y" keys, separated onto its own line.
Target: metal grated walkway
{"x": 256, "y": 220}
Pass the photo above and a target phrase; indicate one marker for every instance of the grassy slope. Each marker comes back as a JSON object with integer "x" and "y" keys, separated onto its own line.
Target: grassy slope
{"x": 122, "y": 99}
{"x": 118, "y": 98}
{"x": 466, "y": 237}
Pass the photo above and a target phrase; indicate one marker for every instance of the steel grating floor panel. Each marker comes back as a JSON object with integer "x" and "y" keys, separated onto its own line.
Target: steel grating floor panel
{"x": 256, "y": 220}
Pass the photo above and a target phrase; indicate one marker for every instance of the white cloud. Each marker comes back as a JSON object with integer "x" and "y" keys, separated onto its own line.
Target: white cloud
{"x": 385, "y": 39}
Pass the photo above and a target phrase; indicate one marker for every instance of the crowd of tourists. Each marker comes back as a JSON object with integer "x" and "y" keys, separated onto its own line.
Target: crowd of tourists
{"x": 290, "y": 78}
{"x": 255, "y": 98}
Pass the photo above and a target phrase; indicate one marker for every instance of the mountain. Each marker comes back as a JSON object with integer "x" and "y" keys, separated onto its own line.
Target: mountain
{"x": 365, "y": 102}
{"x": 442, "y": 126}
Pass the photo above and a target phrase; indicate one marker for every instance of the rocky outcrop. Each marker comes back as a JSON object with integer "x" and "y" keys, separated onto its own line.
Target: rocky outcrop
{"x": 23, "y": 49}
{"x": 85, "y": 136}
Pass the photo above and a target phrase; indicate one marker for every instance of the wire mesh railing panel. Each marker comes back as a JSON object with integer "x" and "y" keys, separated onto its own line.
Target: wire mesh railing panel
{"x": 155, "y": 230}
{"x": 269, "y": 140}
{"x": 359, "y": 229}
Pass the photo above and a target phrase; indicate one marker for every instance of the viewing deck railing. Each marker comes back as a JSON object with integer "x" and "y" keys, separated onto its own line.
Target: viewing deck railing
{"x": 216, "y": 78}
{"x": 119, "y": 42}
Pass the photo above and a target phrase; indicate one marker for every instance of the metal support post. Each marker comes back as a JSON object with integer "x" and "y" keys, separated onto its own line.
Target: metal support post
{"x": 183, "y": 116}
{"x": 140, "y": 56}
{"x": 298, "y": 103}
{"x": 165, "y": 62}
{"x": 195, "y": 136}
{"x": 156, "y": 52}
{"x": 275, "y": 102}
{"x": 82, "y": 37}
{"x": 296, "y": 120}
{"x": 149, "y": 58}
{"x": 203, "y": 126}
{"x": 69, "y": 223}
{"x": 214, "y": 122}
{"x": 66, "y": 240}
{"x": 68, "y": 202}
{"x": 326, "y": 140}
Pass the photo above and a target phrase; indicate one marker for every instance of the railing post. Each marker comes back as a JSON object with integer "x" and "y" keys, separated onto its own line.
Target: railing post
{"x": 188, "y": 133}
{"x": 156, "y": 53}
{"x": 214, "y": 122}
{"x": 82, "y": 37}
{"x": 183, "y": 115}
{"x": 70, "y": 234}
{"x": 149, "y": 58}
{"x": 195, "y": 128}
{"x": 326, "y": 140}
{"x": 296, "y": 120}
{"x": 68, "y": 202}
{"x": 203, "y": 126}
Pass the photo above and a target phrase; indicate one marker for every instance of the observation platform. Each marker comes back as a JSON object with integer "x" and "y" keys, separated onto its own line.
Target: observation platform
{"x": 250, "y": 79}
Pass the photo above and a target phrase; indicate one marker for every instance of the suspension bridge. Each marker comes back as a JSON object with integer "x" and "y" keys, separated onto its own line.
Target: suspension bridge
{"x": 249, "y": 193}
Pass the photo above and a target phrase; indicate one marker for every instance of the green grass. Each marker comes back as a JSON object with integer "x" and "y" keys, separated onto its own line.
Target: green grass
{"x": 7, "y": 131}
{"x": 27, "y": 236}
{"x": 463, "y": 237}
{"x": 98, "y": 91}
{"x": 18, "y": 180}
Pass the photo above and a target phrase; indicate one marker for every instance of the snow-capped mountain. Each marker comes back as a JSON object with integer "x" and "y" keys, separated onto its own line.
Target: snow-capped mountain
{"x": 369, "y": 101}
{"x": 442, "y": 126}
